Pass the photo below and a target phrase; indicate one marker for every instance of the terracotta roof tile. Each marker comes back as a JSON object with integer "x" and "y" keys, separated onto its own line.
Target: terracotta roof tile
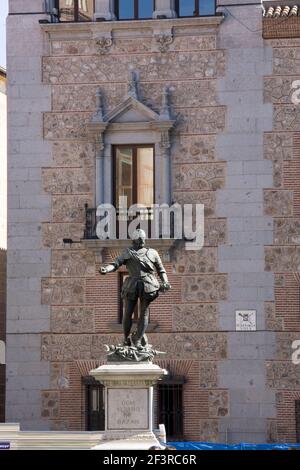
{"x": 282, "y": 11}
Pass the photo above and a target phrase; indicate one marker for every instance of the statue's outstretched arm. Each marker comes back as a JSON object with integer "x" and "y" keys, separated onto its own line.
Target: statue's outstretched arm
{"x": 110, "y": 268}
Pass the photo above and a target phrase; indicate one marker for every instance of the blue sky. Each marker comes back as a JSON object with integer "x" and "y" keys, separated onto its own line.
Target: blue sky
{"x": 3, "y": 14}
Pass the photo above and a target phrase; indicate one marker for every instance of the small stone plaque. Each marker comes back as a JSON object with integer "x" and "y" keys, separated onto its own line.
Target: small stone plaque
{"x": 127, "y": 409}
{"x": 245, "y": 320}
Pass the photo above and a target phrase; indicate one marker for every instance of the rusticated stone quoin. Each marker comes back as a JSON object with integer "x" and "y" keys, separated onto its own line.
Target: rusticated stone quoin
{"x": 278, "y": 203}
{"x": 279, "y": 89}
{"x": 278, "y": 146}
{"x": 202, "y": 64}
{"x": 202, "y": 176}
{"x": 201, "y": 120}
{"x": 70, "y": 208}
{"x": 209, "y": 430}
{"x": 287, "y": 231}
{"x": 208, "y": 374}
{"x": 283, "y": 375}
{"x": 66, "y": 125}
{"x": 59, "y": 375}
{"x": 286, "y": 61}
{"x": 73, "y": 154}
{"x": 284, "y": 341}
{"x": 218, "y": 403}
{"x": 286, "y": 118}
{"x": 72, "y": 319}
{"x": 50, "y": 404}
{"x": 197, "y": 346}
{"x": 63, "y": 291}
{"x": 204, "y": 288}
{"x": 215, "y": 232}
{"x": 207, "y": 198}
{"x": 282, "y": 258}
{"x": 201, "y": 346}
{"x": 68, "y": 180}
{"x": 195, "y": 317}
{"x": 273, "y": 322}
{"x": 182, "y": 94}
{"x": 73, "y": 263}
{"x": 200, "y": 261}
{"x": 63, "y": 347}
{"x": 83, "y": 97}
{"x": 194, "y": 149}
{"x": 53, "y": 234}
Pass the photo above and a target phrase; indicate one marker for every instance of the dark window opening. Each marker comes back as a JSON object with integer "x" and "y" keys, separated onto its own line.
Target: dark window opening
{"x": 122, "y": 277}
{"x": 297, "y": 414}
{"x": 75, "y": 10}
{"x": 94, "y": 410}
{"x": 170, "y": 406}
{"x": 134, "y": 9}
{"x": 187, "y": 8}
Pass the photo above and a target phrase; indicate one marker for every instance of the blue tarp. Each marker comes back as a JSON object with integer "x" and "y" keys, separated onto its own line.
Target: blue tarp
{"x": 241, "y": 446}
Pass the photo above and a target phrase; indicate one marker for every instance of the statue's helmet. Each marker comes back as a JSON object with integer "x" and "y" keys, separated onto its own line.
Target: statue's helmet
{"x": 137, "y": 234}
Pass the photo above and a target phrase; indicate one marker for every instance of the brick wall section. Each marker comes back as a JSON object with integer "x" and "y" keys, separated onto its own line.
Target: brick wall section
{"x": 281, "y": 27}
{"x": 2, "y": 328}
{"x": 282, "y": 202}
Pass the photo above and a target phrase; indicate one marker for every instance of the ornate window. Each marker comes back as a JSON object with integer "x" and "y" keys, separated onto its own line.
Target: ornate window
{"x": 195, "y": 7}
{"x": 134, "y": 9}
{"x": 75, "y": 10}
{"x": 170, "y": 406}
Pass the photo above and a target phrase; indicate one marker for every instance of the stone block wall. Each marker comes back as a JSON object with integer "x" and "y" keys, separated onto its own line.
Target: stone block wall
{"x": 234, "y": 149}
{"x": 281, "y": 202}
{"x": 2, "y": 330}
{"x": 85, "y": 306}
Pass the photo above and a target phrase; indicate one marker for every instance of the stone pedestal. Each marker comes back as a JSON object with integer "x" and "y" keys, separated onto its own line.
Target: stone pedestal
{"x": 128, "y": 404}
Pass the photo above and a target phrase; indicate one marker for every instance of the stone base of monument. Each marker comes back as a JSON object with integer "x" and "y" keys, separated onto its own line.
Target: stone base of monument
{"x": 128, "y": 404}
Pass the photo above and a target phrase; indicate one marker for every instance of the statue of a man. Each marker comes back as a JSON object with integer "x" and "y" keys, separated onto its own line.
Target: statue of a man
{"x": 141, "y": 263}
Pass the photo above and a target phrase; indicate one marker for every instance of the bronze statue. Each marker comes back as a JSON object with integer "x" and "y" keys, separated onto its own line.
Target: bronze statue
{"x": 141, "y": 263}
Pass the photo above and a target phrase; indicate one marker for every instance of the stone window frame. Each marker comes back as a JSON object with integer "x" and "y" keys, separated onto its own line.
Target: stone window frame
{"x": 154, "y": 129}
{"x": 107, "y": 131}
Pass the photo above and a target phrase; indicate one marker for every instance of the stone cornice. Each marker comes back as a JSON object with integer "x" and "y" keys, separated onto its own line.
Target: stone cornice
{"x": 93, "y": 30}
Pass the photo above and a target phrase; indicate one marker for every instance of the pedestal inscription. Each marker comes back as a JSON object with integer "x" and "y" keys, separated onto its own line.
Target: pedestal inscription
{"x": 127, "y": 409}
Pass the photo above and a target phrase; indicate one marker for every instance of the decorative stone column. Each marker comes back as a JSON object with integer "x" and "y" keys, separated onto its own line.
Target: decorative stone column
{"x": 128, "y": 403}
{"x": 165, "y": 8}
{"x": 105, "y": 9}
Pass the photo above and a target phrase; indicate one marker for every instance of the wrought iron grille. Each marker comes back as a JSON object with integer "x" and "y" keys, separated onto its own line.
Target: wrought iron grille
{"x": 170, "y": 408}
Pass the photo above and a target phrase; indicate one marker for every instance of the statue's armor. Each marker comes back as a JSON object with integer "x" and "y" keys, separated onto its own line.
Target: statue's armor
{"x": 141, "y": 266}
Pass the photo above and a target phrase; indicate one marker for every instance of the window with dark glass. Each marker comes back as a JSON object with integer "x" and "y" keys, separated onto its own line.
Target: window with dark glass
{"x": 95, "y": 411}
{"x": 195, "y": 7}
{"x": 122, "y": 278}
{"x": 75, "y": 10}
{"x": 134, "y": 9}
{"x": 297, "y": 414}
{"x": 170, "y": 406}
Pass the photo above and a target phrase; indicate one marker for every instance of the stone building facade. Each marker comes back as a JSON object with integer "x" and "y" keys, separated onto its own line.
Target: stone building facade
{"x": 228, "y": 140}
{"x": 3, "y": 234}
